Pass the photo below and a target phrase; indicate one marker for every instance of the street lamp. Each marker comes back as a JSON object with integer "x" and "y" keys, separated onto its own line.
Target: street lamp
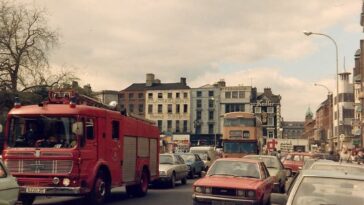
{"x": 321, "y": 85}
{"x": 308, "y": 33}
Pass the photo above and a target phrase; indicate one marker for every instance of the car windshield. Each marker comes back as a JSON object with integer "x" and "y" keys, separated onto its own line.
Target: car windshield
{"x": 203, "y": 156}
{"x": 42, "y": 131}
{"x": 236, "y": 147}
{"x": 234, "y": 168}
{"x": 188, "y": 157}
{"x": 325, "y": 191}
{"x": 297, "y": 157}
{"x": 270, "y": 162}
{"x": 165, "y": 159}
{"x": 338, "y": 167}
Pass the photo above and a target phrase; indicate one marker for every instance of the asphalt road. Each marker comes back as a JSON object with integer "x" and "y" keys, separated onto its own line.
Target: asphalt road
{"x": 180, "y": 195}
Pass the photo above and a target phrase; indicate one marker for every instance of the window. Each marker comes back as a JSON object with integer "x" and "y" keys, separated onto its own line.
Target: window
{"x": 234, "y": 94}
{"x": 178, "y": 107}
{"x": 115, "y": 129}
{"x": 177, "y": 95}
{"x": 198, "y": 103}
{"x": 169, "y": 125}
{"x": 140, "y": 95}
{"x": 177, "y": 126}
{"x": 160, "y": 95}
{"x": 131, "y": 95}
{"x": 141, "y": 108}
{"x": 270, "y": 134}
{"x": 185, "y": 108}
{"x": 131, "y": 108}
{"x": 228, "y": 95}
{"x": 198, "y": 129}
{"x": 184, "y": 126}
{"x": 241, "y": 94}
{"x": 270, "y": 121}
{"x": 211, "y": 128}
{"x": 150, "y": 108}
{"x": 89, "y": 128}
{"x": 234, "y": 108}
{"x": 211, "y": 93}
{"x": 122, "y": 96}
{"x": 257, "y": 110}
{"x": 198, "y": 115}
{"x": 199, "y": 94}
{"x": 160, "y": 108}
{"x": 160, "y": 125}
{"x": 270, "y": 109}
{"x": 169, "y": 95}
{"x": 211, "y": 104}
{"x": 150, "y": 95}
{"x": 185, "y": 95}
{"x": 169, "y": 108}
{"x": 211, "y": 115}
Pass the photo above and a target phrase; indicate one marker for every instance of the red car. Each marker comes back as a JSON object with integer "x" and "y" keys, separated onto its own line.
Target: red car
{"x": 294, "y": 161}
{"x": 234, "y": 181}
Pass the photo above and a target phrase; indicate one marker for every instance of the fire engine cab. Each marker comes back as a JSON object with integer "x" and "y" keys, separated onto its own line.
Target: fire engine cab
{"x": 73, "y": 145}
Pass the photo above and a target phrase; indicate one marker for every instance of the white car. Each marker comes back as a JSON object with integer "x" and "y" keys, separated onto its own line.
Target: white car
{"x": 9, "y": 188}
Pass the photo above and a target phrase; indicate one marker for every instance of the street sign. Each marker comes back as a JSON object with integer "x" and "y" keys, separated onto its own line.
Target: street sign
{"x": 342, "y": 137}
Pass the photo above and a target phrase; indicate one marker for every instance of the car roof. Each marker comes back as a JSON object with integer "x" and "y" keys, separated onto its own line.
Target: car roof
{"x": 299, "y": 153}
{"x": 330, "y": 174}
{"x": 330, "y": 162}
{"x": 239, "y": 159}
{"x": 262, "y": 156}
{"x": 202, "y": 148}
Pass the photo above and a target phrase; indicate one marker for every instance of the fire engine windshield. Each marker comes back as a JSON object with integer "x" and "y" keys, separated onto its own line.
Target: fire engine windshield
{"x": 42, "y": 131}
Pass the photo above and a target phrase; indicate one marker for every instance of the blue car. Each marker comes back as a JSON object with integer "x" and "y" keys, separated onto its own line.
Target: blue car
{"x": 195, "y": 164}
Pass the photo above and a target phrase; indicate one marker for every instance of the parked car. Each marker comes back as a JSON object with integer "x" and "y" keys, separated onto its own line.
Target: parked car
{"x": 172, "y": 168}
{"x": 316, "y": 187}
{"x": 9, "y": 188}
{"x": 336, "y": 166}
{"x": 234, "y": 181}
{"x": 294, "y": 161}
{"x": 275, "y": 168}
{"x": 195, "y": 164}
{"x": 206, "y": 153}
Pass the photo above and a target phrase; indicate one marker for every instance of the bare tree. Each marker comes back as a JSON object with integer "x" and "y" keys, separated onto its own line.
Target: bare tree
{"x": 25, "y": 42}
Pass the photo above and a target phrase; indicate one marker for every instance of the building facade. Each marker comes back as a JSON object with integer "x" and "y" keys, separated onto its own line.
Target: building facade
{"x": 309, "y": 128}
{"x": 267, "y": 107}
{"x": 323, "y": 126}
{"x": 357, "y": 83}
{"x": 343, "y": 119}
{"x": 168, "y": 104}
{"x": 107, "y": 96}
{"x": 292, "y": 129}
{"x": 205, "y": 114}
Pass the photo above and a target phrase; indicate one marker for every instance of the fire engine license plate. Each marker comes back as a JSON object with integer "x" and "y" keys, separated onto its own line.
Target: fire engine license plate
{"x": 35, "y": 190}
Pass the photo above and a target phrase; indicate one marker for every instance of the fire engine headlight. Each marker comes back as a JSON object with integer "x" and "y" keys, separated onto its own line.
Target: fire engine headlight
{"x": 55, "y": 180}
{"x": 66, "y": 182}
{"x": 208, "y": 190}
{"x": 240, "y": 192}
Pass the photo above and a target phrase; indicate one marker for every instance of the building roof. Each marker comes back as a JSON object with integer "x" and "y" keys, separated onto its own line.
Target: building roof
{"x": 161, "y": 86}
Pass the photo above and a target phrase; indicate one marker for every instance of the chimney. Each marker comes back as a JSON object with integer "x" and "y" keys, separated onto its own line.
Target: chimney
{"x": 268, "y": 91}
{"x": 149, "y": 80}
{"x": 183, "y": 81}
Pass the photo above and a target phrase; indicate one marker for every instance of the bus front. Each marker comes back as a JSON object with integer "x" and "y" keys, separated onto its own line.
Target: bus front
{"x": 240, "y": 136}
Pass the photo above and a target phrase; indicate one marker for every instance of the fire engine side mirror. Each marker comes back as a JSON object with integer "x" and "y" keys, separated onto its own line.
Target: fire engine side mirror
{"x": 77, "y": 128}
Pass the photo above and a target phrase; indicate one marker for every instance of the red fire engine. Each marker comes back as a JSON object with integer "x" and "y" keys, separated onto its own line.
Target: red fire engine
{"x": 66, "y": 147}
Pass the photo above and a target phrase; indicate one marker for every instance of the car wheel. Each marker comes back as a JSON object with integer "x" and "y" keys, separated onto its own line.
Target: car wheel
{"x": 26, "y": 199}
{"x": 172, "y": 183}
{"x": 184, "y": 180}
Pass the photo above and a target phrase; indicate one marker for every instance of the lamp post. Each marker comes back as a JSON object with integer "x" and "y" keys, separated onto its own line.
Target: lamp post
{"x": 308, "y": 33}
{"x": 329, "y": 97}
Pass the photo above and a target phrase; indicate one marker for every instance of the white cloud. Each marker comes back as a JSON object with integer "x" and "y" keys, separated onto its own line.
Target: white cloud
{"x": 114, "y": 43}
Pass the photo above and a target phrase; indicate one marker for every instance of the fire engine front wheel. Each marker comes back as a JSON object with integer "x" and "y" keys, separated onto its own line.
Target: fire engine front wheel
{"x": 100, "y": 191}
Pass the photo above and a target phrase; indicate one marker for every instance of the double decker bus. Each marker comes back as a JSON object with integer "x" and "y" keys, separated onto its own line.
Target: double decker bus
{"x": 242, "y": 134}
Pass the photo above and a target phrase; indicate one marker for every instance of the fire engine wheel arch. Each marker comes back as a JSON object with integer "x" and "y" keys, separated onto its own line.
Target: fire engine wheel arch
{"x": 101, "y": 188}
{"x": 140, "y": 189}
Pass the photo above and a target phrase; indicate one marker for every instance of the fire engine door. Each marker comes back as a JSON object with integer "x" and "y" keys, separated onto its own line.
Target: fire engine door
{"x": 114, "y": 148}
{"x": 88, "y": 148}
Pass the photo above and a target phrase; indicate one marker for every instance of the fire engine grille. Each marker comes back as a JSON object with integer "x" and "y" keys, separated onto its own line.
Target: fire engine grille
{"x": 39, "y": 166}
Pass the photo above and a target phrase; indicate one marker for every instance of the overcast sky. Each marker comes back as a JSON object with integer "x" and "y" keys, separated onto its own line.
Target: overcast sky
{"x": 112, "y": 44}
